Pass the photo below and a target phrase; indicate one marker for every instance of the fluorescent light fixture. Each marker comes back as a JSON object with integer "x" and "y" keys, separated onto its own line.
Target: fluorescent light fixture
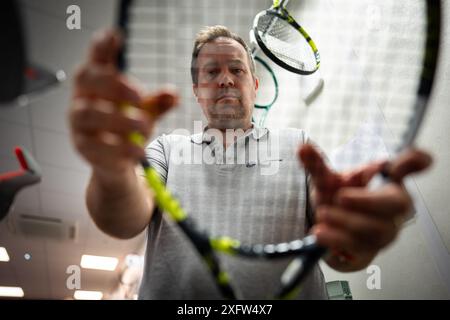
{"x": 98, "y": 262}
{"x": 4, "y": 254}
{"x": 16, "y": 292}
{"x": 88, "y": 295}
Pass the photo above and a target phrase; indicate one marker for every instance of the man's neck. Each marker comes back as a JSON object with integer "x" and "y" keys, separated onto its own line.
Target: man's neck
{"x": 230, "y": 135}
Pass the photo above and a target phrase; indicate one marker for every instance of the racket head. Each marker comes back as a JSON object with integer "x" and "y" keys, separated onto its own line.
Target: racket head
{"x": 285, "y": 42}
{"x": 394, "y": 117}
{"x": 342, "y": 111}
{"x": 378, "y": 78}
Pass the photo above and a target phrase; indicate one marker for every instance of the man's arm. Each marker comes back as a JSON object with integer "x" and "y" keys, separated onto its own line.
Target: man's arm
{"x": 117, "y": 198}
{"x": 121, "y": 205}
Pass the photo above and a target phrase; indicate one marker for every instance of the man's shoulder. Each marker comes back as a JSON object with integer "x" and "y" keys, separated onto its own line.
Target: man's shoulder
{"x": 173, "y": 138}
{"x": 292, "y": 131}
{"x": 289, "y": 133}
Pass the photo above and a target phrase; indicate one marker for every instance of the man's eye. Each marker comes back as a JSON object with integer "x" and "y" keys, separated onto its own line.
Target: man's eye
{"x": 238, "y": 71}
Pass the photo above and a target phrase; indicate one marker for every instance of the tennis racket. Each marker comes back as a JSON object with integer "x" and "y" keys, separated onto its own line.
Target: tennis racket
{"x": 364, "y": 116}
{"x": 382, "y": 89}
{"x": 284, "y": 41}
{"x": 267, "y": 93}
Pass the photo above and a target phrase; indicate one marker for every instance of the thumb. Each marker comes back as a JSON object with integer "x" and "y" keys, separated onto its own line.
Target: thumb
{"x": 160, "y": 102}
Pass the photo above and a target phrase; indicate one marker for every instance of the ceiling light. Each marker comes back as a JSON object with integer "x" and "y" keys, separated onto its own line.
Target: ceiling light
{"x": 11, "y": 292}
{"x": 4, "y": 255}
{"x": 98, "y": 262}
{"x": 88, "y": 295}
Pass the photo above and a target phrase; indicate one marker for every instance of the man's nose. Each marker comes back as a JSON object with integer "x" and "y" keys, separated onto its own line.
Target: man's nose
{"x": 226, "y": 80}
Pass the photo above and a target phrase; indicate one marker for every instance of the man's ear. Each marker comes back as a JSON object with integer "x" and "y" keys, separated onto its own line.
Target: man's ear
{"x": 256, "y": 84}
{"x": 195, "y": 89}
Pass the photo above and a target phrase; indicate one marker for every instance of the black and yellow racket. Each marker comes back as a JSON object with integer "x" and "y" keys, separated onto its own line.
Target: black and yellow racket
{"x": 285, "y": 41}
{"x": 373, "y": 107}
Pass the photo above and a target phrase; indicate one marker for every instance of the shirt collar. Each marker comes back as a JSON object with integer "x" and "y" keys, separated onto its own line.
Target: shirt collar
{"x": 203, "y": 137}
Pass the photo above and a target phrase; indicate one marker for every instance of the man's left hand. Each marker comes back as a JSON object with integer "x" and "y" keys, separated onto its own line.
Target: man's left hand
{"x": 355, "y": 223}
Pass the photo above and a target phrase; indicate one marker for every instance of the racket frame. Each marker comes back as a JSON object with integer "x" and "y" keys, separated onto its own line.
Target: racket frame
{"x": 280, "y": 12}
{"x": 309, "y": 252}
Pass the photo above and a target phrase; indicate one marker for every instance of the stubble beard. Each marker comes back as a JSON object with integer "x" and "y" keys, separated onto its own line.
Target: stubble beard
{"x": 227, "y": 116}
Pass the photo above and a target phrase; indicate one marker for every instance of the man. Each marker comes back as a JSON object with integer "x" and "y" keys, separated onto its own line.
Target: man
{"x": 225, "y": 197}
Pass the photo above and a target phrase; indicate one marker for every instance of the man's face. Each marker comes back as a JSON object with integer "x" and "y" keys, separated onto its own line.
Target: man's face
{"x": 226, "y": 89}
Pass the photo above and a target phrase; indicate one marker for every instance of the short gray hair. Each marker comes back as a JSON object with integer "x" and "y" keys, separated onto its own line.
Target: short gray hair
{"x": 209, "y": 34}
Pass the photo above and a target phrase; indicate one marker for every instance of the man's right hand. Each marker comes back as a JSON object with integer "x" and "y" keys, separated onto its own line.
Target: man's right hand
{"x": 117, "y": 199}
{"x": 99, "y": 127}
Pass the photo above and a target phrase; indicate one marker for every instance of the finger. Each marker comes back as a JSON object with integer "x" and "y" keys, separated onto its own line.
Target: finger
{"x": 408, "y": 162}
{"x": 387, "y": 202}
{"x": 160, "y": 102}
{"x": 91, "y": 117}
{"x": 104, "y": 83}
{"x": 339, "y": 241}
{"x": 105, "y": 47}
{"x": 333, "y": 238}
{"x": 362, "y": 176}
{"x": 324, "y": 179}
{"x": 372, "y": 233}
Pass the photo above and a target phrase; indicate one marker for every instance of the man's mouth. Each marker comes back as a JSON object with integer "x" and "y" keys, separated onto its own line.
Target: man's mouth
{"x": 227, "y": 96}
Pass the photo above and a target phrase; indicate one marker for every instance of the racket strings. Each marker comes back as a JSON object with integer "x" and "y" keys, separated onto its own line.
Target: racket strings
{"x": 371, "y": 74}
{"x": 285, "y": 42}
{"x": 371, "y": 78}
